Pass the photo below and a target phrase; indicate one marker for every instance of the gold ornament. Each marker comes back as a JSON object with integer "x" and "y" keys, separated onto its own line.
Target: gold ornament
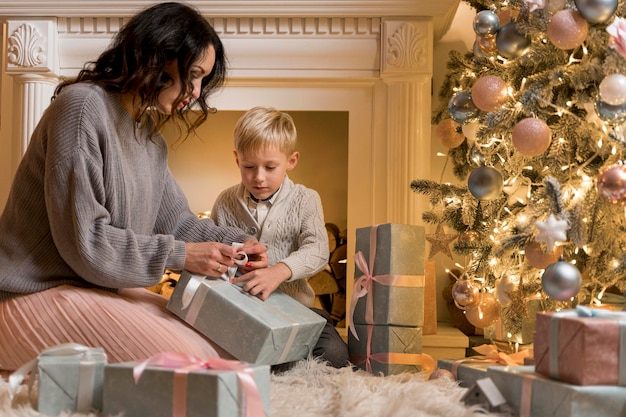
{"x": 439, "y": 242}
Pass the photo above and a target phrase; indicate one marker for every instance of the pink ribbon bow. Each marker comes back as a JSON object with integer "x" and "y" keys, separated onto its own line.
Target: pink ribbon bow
{"x": 182, "y": 364}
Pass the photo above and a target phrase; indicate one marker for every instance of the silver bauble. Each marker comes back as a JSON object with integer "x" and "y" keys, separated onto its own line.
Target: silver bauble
{"x": 486, "y": 23}
{"x": 475, "y": 156}
{"x": 611, "y": 114}
{"x": 461, "y": 107}
{"x": 561, "y": 281}
{"x": 596, "y": 11}
{"x": 485, "y": 183}
{"x": 511, "y": 42}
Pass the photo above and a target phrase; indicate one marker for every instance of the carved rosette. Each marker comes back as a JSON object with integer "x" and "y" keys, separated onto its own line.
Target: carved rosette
{"x": 25, "y": 47}
{"x": 30, "y": 46}
{"x": 407, "y": 47}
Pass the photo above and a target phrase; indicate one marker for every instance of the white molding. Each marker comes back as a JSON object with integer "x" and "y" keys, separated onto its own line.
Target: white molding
{"x": 215, "y": 8}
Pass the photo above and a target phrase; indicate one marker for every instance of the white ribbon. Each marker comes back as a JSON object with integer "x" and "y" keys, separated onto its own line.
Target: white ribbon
{"x": 240, "y": 259}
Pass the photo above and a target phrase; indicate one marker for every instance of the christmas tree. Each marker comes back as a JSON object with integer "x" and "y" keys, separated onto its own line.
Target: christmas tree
{"x": 534, "y": 118}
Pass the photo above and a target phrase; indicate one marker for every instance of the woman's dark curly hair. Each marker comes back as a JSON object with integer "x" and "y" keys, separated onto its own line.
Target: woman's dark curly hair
{"x": 135, "y": 62}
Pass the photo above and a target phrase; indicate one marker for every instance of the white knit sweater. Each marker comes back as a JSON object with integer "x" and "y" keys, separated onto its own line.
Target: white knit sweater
{"x": 293, "y": 232}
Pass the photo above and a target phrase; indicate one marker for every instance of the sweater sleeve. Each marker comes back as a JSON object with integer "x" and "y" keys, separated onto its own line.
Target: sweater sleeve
{"x": 312, "y": 253}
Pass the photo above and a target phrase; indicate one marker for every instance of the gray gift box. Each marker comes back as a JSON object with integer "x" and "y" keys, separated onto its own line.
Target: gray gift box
{"x": 467, "y": 371}
{"x": 69, "y": 378}
{"x": 525, "y": 389}
{"x": 399, "y": 251}
{"x": 384, "y": 340}
{"x": 270, "y": 332}
{"x": 207, "y": 393}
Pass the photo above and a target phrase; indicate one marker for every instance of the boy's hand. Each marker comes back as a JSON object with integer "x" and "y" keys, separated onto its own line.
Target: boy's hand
{"x": 257, "y": 255}
{"x": 262, "y": 282}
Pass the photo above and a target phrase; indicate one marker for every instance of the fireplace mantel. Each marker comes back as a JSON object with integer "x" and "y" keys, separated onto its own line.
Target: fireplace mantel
{"x": 372, "y": 59}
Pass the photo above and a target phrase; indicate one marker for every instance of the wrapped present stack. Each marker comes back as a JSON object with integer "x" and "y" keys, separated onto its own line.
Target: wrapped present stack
{"x": 387, "y": 307}
{"x": 580, "y": 367}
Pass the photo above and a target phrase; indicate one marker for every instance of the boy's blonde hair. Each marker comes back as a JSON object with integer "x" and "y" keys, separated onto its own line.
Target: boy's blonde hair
{"x": 262, "y": 127}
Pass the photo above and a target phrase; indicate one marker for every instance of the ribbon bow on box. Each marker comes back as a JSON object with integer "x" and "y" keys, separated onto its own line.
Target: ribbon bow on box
{"x": 182, "y": 364}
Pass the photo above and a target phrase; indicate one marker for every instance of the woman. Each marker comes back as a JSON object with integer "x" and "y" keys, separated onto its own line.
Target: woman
{"x": 94, "y": 214}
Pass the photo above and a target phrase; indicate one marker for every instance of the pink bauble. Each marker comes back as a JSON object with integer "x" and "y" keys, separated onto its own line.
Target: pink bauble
{"x": 484, "y": 312}
{"x": 489, "y": 93}
{"x": 441, "y": 374}
{"x": 465, "y": 292}
{"x": 531, "y": 136}
{"x": 612, "y": 90}
{"x": 611, "y": 183}
{"x": 567, "y": 29}
{"x": 449, "y": 134}
{"x": 537, "y": 258}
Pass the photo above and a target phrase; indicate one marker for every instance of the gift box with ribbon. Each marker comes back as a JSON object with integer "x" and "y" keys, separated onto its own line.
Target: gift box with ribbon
{"x": 69, "y": 377}
{"x": 583, "y": 346}
{"x": 533, "y": 395}
{"x": 270, "y": 332}
{"x": 389, "y": 275}
{"x": 389, "y": 350}
{"x": 179, "y": 385}
{"x": 468, "y": 370}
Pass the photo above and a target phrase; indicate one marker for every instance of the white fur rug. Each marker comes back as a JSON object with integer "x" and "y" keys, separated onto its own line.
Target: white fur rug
{"x": 312, "y": 389}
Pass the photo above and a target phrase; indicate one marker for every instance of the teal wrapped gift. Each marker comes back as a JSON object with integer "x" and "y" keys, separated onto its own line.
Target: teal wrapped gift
{"x": 270, "y": 332}
{"x": 175, "y": 384}
{"x": 467, "y": 371}
{"x": 389, "y": 350}
{"x": 532, "y": 395}
{"x": 389, "y": 278}
{"x": 70, "y": 378}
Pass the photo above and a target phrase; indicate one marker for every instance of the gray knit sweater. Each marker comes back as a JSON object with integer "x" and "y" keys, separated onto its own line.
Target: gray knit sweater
{"x": 293, "y": 232}
{"x": 93, "y": 202}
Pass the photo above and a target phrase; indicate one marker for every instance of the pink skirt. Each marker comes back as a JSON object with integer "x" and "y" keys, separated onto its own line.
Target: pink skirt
{"x": 131, "y": 325}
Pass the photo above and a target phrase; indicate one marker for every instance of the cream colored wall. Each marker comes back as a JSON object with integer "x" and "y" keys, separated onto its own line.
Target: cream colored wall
{"x": 205, "y": 165}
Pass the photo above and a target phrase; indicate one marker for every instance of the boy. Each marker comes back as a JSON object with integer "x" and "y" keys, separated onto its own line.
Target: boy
{"x": 286, "y": 217}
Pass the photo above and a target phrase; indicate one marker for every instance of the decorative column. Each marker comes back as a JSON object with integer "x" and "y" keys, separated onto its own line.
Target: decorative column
{"x": 406, "y": 70}
{"x": 32, "y": 60}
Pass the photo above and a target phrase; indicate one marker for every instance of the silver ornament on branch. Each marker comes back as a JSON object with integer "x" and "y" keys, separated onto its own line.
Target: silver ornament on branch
{"x": 476, "y": 156}
{"x": 485, "y": 183}
{"x": 561, "y": 281}
{"x": 486, "y": 23}
{"x": 611, "y": 114}
{"x": 511, "y": 42}
{"x": 596, "y": 11}
{"x": 461, "y": 107}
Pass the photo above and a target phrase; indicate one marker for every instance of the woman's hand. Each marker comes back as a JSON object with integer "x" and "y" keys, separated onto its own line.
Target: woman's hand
{"x": 209, "y": 258}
